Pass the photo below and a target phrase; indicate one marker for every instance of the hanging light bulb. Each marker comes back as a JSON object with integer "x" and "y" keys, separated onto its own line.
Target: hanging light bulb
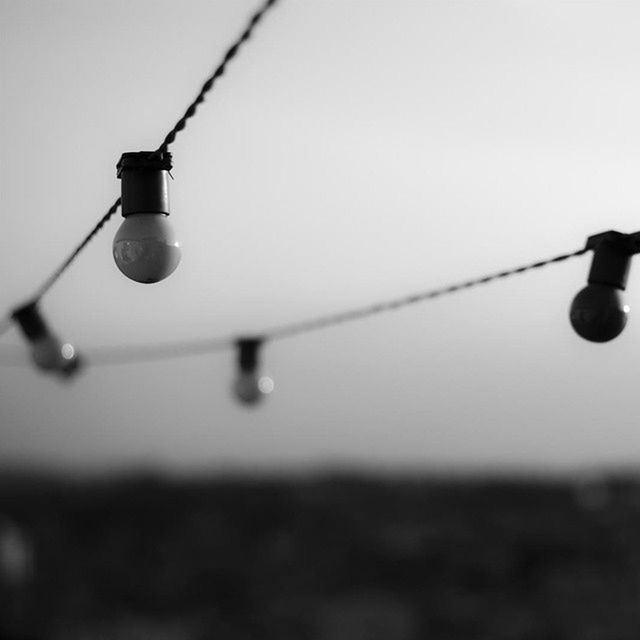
{"x": 47, "y": 352}
{"x": 598, "y": 312}
{"x": 249, "y": 386}
{"x": 145, "y": 247}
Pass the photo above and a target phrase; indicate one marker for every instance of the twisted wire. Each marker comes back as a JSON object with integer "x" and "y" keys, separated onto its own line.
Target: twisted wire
{"x": 153, "y": 353}
{"x": 53, "y": 278}
{"x": 137, "y": 353}
{"x": 219, "y": 71}
{"x": 360, "y": 313}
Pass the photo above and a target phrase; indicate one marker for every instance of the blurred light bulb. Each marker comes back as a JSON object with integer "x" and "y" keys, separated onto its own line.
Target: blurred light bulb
{"x": 48, "y": 353}
{"x": 266, "y": 385}
{"x": 249, "y": 386}
{"x": 145, "y": 248}
{"x": 71, "y": 362}
{"x": 598, "y": 313}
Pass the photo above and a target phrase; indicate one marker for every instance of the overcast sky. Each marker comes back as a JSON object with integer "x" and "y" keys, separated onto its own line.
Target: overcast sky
{"x": 355, "y": 151}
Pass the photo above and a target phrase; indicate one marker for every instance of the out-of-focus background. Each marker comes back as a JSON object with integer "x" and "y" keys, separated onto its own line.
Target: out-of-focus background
{"x": 353, "y": 152}
{"x": 338, "y": 557}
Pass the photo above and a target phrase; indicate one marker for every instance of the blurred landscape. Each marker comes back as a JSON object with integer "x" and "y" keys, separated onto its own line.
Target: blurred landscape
{"x": 331, "y": 557}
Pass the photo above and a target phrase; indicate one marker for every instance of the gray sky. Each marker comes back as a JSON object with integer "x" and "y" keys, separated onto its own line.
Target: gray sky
{"x": 354, "y": 151}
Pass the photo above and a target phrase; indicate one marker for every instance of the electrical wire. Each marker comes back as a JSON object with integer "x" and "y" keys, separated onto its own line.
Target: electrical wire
{"x": 148, "y": 353}
{"x": 53, "y": 278}
{"x": 315, "y": 324}
{"x": 219, "y": 71}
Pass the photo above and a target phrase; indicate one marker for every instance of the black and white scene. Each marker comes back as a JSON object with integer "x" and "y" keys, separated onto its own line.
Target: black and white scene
{"x": 317, "y": 320}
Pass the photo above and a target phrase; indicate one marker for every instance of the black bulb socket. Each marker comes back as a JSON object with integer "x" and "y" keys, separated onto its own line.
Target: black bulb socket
{"x": 248, "y": 350}
{"x": 144, "y": 179}
{"x": 31, "y": 322}
{"x": 612, "y": 252}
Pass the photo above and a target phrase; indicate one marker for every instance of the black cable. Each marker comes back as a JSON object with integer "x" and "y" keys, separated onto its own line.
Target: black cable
{"x": 152, "y": 353}
{"x": 147, "y": 353}
{"x": 53, "y": 278}
{"x": 5, "y": 325}
{"x": 381, "y": 307}
{"x": 219, "y": 71}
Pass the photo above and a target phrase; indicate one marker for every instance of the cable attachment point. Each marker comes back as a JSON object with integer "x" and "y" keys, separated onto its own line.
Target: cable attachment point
{"x": 598, "y": 312}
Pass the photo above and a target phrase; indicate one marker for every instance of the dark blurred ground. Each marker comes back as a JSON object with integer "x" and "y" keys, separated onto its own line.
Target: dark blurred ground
{"x": 341, "y": 558}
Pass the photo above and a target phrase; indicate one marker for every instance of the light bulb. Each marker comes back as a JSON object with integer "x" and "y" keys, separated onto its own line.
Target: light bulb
{"x": 598, "y": 313}
{"x": 70, "y": 362}
{"x": 50, "y": 355}
{"x": 145, "y": 247}
{"x": 47, "y": 352}
{"x": 247, "y": 388}
{"x": 250, "y": 388}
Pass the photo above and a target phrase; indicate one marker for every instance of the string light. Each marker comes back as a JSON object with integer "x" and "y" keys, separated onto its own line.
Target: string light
{"x": 131, "y": 354}
{"x": 598, "y": 312}
{"x": 249, "y": 386}
{"x": 48, "y": 353}
{"x": 219, "y": 71}
{"x": 145, "y": 248}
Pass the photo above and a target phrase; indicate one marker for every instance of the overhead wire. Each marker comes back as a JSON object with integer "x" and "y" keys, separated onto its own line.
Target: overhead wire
{"x": 132, "y": 354}
{"x": 55, "y": 276}
{"x": 218, "y": 72}
{"x": 397, "y": 303}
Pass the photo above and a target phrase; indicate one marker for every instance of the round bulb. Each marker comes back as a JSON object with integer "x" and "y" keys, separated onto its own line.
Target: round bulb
{"x": 50, "y": 355}
{"x": 266, "y": 385}
{"x": 247, "y": 388}
{"x": 70, "y": 361}
{"x": 598, "y": 313}
{"x": 16, "y": 554}
{"x": 46, "y": 352}
{"x": 145, "y": 247}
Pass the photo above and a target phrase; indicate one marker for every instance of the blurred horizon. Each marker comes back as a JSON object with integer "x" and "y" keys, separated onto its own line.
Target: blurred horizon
{"x": 331, "y": 558}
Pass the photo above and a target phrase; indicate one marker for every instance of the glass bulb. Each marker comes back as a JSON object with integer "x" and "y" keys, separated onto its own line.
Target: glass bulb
{"x": 247, "y": 388}
{"x": 49, "y": 355}
{"x": 70, "y": 361}
{"x": 266, "y": 385}
{"x": 46, "y": 352}
{"x": 598, "y": 313}
{"x": 145, "y": 247}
